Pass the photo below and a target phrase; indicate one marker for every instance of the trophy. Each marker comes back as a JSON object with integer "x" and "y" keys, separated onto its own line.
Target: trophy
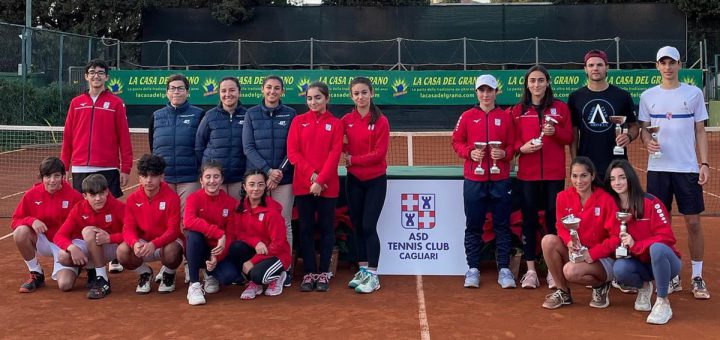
{"x": 654, "y": 131}
{"x": 619, "y": 121}
{"x": 494, "y": 145}
{"x": 479, "y": 169}
{"x": 572, "y": 224}
{"x": 621, "y": 252}
{"x": 549, "y": 121}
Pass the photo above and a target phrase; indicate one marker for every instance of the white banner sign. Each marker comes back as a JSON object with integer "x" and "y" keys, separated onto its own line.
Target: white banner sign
{"x": 422, "y": 228}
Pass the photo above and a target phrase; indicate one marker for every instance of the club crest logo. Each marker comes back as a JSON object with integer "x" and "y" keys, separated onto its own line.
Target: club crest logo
{"x": 417, "y": 211}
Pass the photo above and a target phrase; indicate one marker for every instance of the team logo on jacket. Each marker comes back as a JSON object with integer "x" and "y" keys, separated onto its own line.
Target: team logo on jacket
{"x": 85, "y": 217}
{"x": 282, "y": 123}
{"x": 162, "y": 205}
{"x": 399, "y": 87}
{"x": 417, "y": 211}
{"x": 595, "y": 115}
{"x": 597, "y": 211}
{"x": 108, "y": 218}
{"x": 65, "y": 204}
{"x": 225, "y": 212}
{"x": 38, "y": 202}
{"x": 261, "y": 217}
{"x": 210, "y": 87}
{"x": 115, "y": 86}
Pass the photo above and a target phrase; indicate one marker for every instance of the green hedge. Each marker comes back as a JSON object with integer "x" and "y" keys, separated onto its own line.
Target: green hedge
{"x": 26, "y": 104}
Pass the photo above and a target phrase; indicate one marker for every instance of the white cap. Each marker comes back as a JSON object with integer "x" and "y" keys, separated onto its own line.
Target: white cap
{"x": 668, "y": 51}
{"x": 487, "y": 80}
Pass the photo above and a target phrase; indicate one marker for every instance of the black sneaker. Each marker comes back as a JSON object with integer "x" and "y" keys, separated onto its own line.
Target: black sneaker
{"x": 323, "y": 282}
{"x": 143, "y": 286}
{"x": 308, "y": 283}
{"x": 34, "y": 281}
{"x": 167, "y": 284}
{"x": 92, "y": 275}
{"x": 288, "y": 278}
{"x": 100, "y": 288}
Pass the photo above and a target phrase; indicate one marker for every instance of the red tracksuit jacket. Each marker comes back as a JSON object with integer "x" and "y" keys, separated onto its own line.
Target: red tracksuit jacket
{"x": 38, "y": 204}
{"x": 94, "y": 132}
{"x": 366, "y": 144}
{"x": 109, "y": 218}
{"x": 314, "y": 145}
{"x": 155, "y": 220}
{"x": 654, "y": 227}
{"x": 549, "y": 162}
{"x": 262, "y": 224}
{"x": 475, "y": 125}
{"x": 598, "y": 230}
{"x": 209, "y": 215}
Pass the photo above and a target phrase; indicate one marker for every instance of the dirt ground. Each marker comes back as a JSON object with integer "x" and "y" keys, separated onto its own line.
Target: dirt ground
{"x": 394, "y": 312}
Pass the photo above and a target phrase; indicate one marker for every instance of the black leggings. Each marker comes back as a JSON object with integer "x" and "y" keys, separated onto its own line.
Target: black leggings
{"x": 365, "y": 201}
{"x": 263, "y": 272}
{"x": 536, "y": 196}
{"x": 309, "y": 207}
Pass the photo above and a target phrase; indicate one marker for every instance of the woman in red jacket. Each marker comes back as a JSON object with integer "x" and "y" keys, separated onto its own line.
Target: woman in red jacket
{"x": 314, "y": 147}
{"x": 597, "y": 235}
{"x": 259, "y": 248}
{"x": 207, "y": 213}
{"x": 543, "y": 129}
{"x": 368, "y": 134}
{"x": 649, "y": 240}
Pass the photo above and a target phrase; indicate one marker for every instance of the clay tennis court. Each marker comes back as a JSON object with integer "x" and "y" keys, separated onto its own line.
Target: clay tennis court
{"x": 407, "y": 307}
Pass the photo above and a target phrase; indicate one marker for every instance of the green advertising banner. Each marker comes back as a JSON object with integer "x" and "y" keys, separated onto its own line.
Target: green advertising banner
{"x": 391, "y": 87}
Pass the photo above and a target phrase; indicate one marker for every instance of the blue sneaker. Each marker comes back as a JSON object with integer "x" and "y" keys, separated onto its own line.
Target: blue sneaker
{"x": 359, "y": 277}
{"x": 506, "y": 279}
{"x": 472, "y": 278}
{"x": 371, "y": 284}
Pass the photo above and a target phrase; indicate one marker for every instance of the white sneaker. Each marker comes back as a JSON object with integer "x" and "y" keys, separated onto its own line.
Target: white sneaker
{"x": 506, "y": 279}
{"x": 251, "y": 291}
{"x": 644, "y": 295}
{"x": 275, "y": 287}
{"x": 371, "y": 284}
{"x": 530, "y": 280}
{"x": 661, "y": 313}
{"x": 159, "y": 275}
{"x": 472, "y": 278}
{"x": 550, "y": 281}
{"x": 143, "y": 286}
{"x": 195, "y": 294}
{"x": 115, "y": 267}
{"x": 167, "y": 284}
{"x": 359, "y": 277}
{"x": 675, "y": 285}
{"x": 212, "y": 285}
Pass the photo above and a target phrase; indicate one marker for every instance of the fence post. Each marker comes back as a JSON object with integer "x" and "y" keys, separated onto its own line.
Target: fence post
{"x": 117, "y": 57}
{"x": 617, "y": 52}
{"x": 60, "y": 64}
{"x": 89, "y": 57}
{"x": 168, "y": 42}
{"x": 537, "y": 50}
{"x": 239, "y": 54}
{"x": 465, "y": 53}
{"x": 399, "y": 53}
{"x": 312, "y": 53}
{"x": 410, "y": 154}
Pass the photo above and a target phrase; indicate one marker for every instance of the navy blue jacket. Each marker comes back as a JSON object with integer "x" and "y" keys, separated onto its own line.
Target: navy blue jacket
{"x": 219, "y": 138}
{"x": 265, "y": 138}
{"x": 172, "y": 134}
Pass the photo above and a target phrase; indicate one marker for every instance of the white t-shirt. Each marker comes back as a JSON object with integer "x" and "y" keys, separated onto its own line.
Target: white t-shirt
{"x": 675, "y": 111}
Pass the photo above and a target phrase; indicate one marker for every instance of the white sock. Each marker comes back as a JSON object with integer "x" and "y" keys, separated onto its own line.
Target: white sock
{"x": 102, "y": 272}
{"x": 696, "y": 268}
{"x": 33, "y": 265}
{"x": 372, "y": 271}
{"x": 170, "y": 271}
{"x": 144, "y": 268}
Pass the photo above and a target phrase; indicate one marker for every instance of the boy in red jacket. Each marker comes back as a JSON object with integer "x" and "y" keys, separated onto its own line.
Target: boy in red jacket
{"x": 151, "y": 231}
{"x": 37, "y": 218}
{"x": 91, "y": 234}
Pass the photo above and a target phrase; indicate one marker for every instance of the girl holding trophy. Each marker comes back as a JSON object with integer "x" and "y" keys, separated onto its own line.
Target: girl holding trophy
{"x": 543, "y": 129}
{"x": 484, "y": 137}
{"x": 648, "y": 239}
{"x": 587, "y": 236}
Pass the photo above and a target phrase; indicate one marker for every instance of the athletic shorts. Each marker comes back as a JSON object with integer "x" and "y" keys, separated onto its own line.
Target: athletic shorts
{"x": 607, "y": 264}
{"x": 155, "y": 256}
{"x": 109, "y": 251}
{"x": 49, "y": 249}
{"x": 684, "y": 186}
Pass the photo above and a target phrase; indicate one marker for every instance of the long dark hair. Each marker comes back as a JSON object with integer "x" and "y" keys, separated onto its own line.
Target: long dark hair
{"x": 243, "y": 193}
{"x": 547, "y": 100}
{"x": 375, "y": 112}
{"x": 589, "y": 166}
{"x": 636, "y": 195}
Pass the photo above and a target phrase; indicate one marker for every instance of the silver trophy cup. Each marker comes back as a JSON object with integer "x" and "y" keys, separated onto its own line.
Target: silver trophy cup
{"x": 479, "y": 169}
{"x": 654, "y": 132}
{"x": 618, "y": 121}
{"x": 494, "y": 145}
{"x": 549, "y": 121}
{"x": 621, "y": 252}
{"x": 572, "y": 224}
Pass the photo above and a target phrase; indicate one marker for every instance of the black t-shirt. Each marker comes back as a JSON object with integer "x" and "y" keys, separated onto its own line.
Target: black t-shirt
{"x": 590, "y": 113}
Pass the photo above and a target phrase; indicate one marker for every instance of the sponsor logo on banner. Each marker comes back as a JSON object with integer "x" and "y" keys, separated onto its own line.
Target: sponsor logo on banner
{"x": 115, "y": 86}
{"x": 399, "y": 87}
{"x": 210, "y": 87}
{"x": 302, "y": 87}
{"x": 417, "y": 211}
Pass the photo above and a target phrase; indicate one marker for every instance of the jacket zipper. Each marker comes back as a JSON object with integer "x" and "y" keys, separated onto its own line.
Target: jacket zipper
{"x": 92, "y": 118}
{"x": 487, "y": 142}
{"x": 542, "y": 162}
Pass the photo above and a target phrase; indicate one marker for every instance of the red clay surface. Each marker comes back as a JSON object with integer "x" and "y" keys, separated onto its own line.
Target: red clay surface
{"x": 452, "y": 312}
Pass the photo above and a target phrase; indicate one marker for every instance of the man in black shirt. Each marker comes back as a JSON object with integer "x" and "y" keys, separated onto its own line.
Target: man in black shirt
{"x": 591, "y": 107}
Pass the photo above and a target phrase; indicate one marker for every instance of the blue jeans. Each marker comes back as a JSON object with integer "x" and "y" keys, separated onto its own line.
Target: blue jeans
{"x": 663, "y": 266}
{"x": 480, "y": 197}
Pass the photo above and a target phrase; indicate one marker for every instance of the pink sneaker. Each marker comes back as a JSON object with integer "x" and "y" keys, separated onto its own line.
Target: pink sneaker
{"x": 251, "y": 291}
{"x": 275, "y": 287}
